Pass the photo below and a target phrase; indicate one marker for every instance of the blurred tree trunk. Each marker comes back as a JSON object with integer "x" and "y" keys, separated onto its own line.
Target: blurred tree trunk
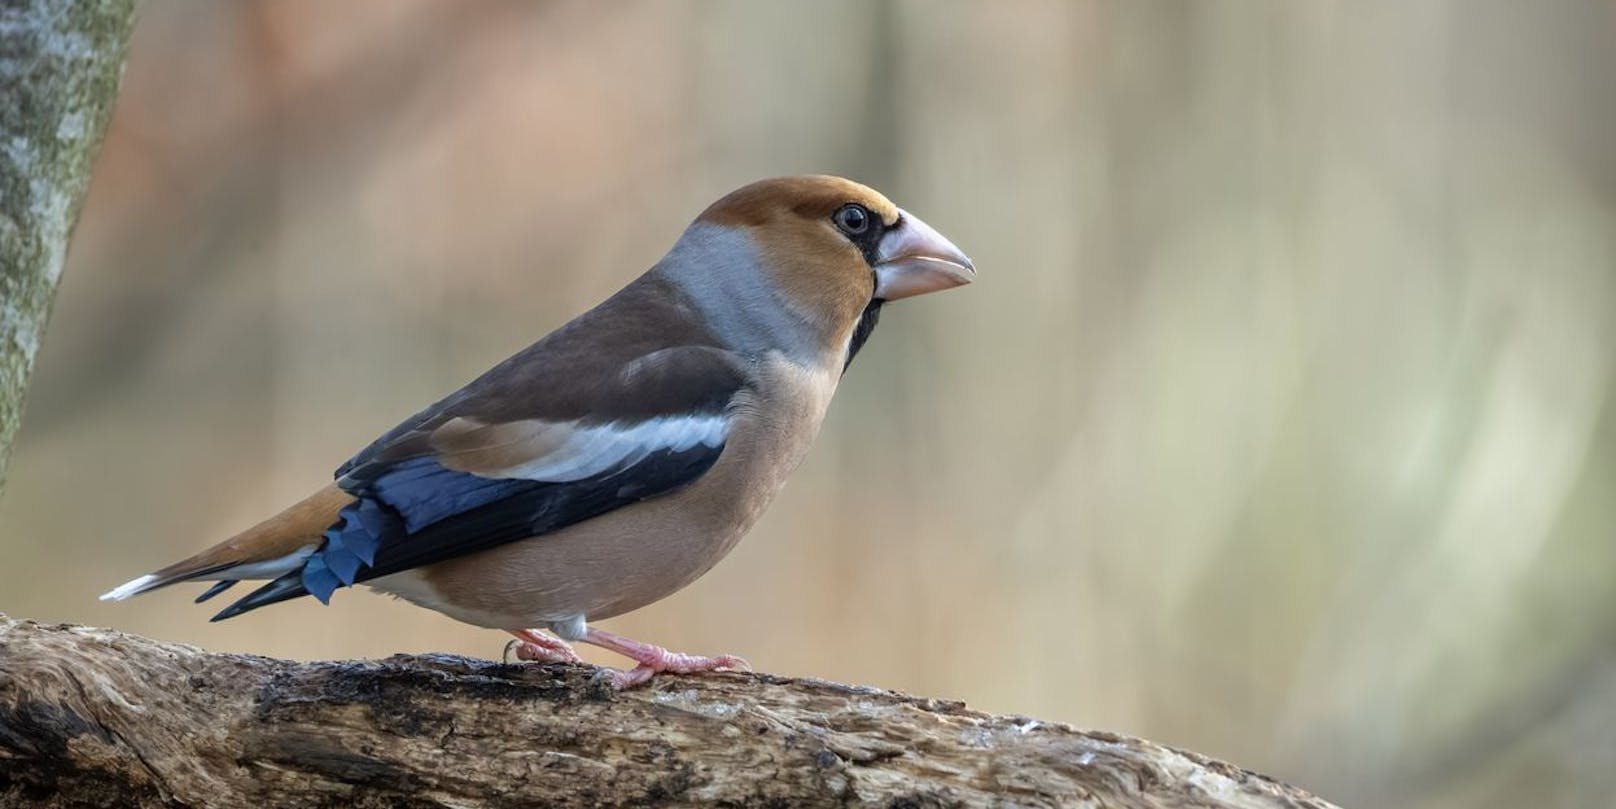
{"x": 60, "y": 62}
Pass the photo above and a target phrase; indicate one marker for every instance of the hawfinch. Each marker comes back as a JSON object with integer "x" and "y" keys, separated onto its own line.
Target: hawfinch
{"x": 619, "y": 458}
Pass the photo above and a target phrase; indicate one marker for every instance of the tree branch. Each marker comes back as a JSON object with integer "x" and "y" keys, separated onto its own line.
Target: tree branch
{"x": 97, "y": 717}
{"x": 60, "y": 62}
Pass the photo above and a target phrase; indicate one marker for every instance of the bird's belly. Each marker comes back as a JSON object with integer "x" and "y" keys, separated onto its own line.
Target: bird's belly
{"x": 600, "y": 568}
{"x": 537, "y": 582}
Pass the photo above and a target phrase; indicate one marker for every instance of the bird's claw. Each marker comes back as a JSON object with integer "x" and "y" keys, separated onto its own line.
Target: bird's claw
{"x": 732, "y": 663}
{"x": 669, "y": 663}
{"x": 536, "y": 648}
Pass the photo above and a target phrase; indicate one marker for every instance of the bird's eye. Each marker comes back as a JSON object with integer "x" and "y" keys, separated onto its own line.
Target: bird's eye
{"x": 852, "y": 218}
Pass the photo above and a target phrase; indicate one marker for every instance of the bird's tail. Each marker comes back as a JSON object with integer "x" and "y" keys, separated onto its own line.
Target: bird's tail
{"x": 287, "y": 586}
{"x": 271, "y": 549}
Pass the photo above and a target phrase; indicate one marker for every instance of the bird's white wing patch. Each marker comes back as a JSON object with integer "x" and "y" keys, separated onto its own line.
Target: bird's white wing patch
{"x": 558, "y": 452}
{"x": 591, "y": 450}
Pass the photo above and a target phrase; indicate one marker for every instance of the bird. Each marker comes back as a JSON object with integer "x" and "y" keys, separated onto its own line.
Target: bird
{"x": 620, "y": 457}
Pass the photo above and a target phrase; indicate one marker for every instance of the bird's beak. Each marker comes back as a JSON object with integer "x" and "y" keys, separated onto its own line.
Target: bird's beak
{"x": 914, "y": 259}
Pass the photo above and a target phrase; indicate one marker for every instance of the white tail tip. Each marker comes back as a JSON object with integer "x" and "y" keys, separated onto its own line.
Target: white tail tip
{"x": 129, "y": 588}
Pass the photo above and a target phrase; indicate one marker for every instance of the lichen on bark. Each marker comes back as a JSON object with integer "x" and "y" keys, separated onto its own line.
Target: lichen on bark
{"x": 60, "y": 63}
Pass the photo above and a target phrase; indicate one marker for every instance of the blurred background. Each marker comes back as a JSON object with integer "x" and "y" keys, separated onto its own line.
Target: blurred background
{"x": 1279, "y": 425}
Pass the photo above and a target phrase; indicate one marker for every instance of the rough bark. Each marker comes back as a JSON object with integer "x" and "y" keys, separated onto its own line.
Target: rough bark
{"x": 60, "y": 62}
{"x": 93, "y": 717}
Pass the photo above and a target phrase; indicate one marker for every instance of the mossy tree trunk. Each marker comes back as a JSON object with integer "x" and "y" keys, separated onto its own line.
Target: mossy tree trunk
{"x": 60, "y": 62}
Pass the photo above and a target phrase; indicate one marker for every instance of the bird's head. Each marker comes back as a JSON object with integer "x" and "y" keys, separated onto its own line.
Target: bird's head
{"x": 819, "y": 252}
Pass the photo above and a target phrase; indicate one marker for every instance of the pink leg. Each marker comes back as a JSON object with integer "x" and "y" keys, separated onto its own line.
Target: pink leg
{"x": 654, "y": 660}
{"x": 536, "y": 646}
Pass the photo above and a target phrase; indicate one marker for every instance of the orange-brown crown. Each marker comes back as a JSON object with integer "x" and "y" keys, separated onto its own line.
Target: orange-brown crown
{"x": 812, "y": 197}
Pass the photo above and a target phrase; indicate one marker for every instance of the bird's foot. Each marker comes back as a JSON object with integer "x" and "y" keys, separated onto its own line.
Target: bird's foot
{"x": 535, "y": 646}
{"x": 654, "y": 660}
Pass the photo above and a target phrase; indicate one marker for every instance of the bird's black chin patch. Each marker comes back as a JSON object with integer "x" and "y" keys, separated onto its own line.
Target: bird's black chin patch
{"x": 863, "y": 329}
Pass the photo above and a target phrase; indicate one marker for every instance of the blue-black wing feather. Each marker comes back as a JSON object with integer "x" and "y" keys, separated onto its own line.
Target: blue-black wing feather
{"x": 374, "y": 537}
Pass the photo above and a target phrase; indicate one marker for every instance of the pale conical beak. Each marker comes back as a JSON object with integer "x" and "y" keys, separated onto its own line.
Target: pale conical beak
{"x": 914, "y": 259}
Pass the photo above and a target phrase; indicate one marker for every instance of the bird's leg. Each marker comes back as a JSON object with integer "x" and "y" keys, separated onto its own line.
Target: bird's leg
{"x": 654, "y": 660}
{"x": 536, "y": 646}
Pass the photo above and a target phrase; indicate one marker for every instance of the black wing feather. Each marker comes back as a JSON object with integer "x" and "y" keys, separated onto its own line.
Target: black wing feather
{"x": 518, "y": 510}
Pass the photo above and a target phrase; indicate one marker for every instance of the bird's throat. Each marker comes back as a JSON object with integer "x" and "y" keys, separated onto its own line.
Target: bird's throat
{"x": 863, "y": 329}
